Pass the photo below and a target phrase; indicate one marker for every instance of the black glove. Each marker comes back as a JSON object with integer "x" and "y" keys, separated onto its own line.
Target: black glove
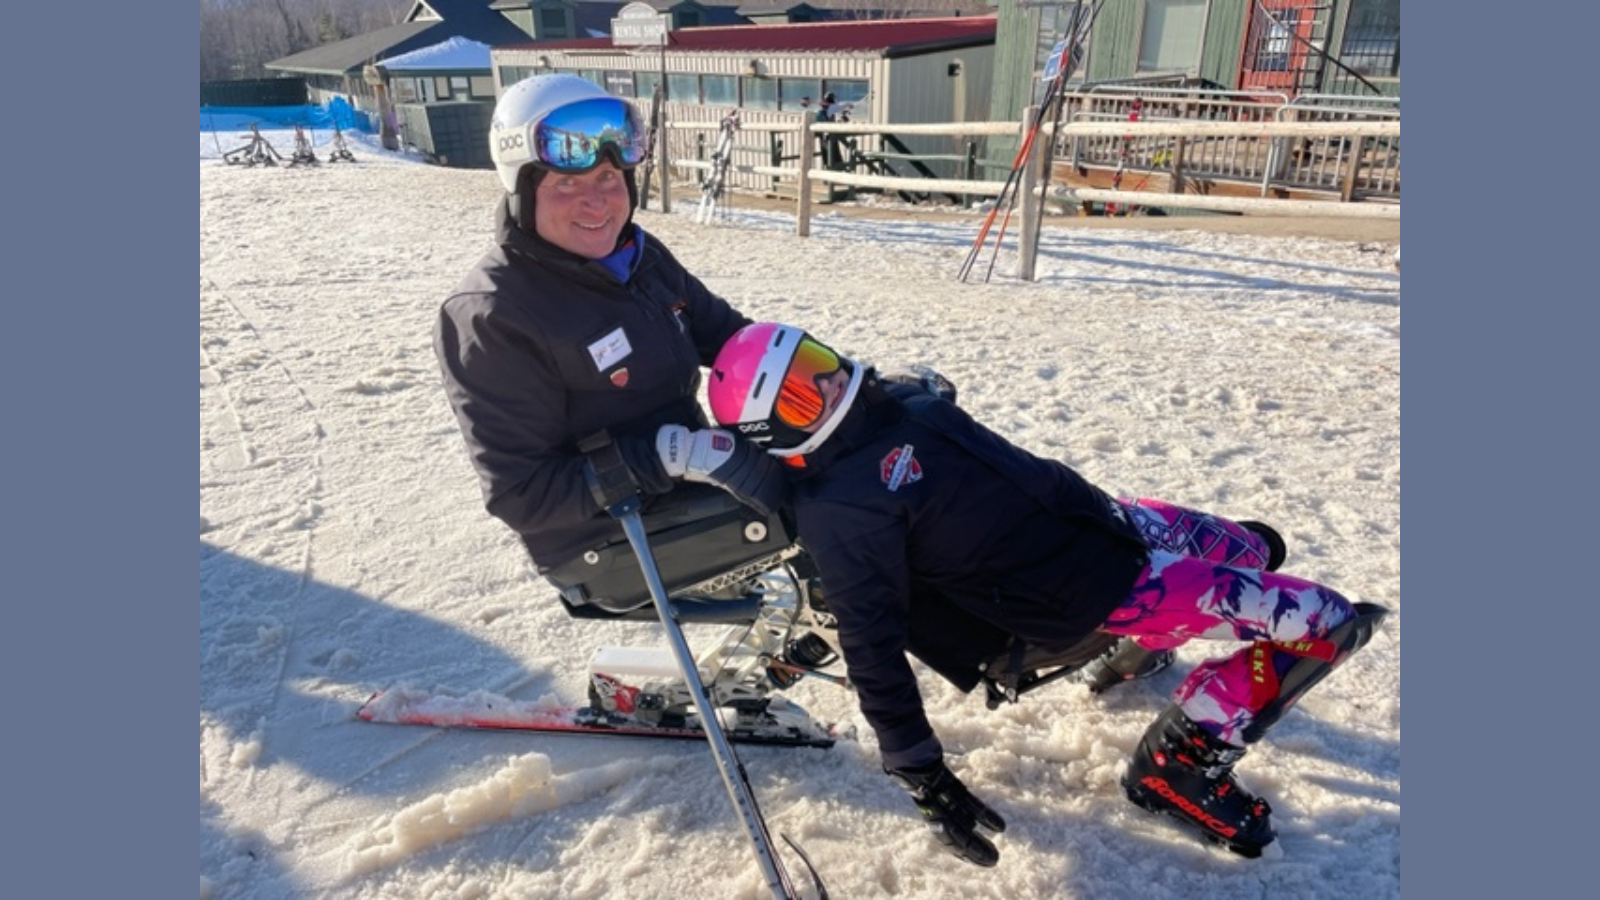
{"x": 714, "y": 456}
{"x": 951, "y": 811}
{"x": 617, "y": 470}
{"x": 924, "y": 377}
{"x": 640, "y": 454}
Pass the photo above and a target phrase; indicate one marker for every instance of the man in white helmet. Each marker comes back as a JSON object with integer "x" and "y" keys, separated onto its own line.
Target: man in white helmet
{"x": 578, "y": 325}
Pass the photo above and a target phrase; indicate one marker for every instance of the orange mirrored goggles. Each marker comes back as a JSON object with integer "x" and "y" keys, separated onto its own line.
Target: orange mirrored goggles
{"x": 800, "y": 401}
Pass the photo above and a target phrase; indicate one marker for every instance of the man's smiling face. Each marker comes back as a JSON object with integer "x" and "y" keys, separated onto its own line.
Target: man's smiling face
{"x": 582, "y": 214}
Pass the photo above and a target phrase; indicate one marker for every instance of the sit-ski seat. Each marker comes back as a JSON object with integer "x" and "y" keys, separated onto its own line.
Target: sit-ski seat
{"x": 707, "y": 546}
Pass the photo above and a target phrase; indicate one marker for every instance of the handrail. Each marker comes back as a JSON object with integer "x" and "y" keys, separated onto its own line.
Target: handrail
{"x": 1196, "y": 93}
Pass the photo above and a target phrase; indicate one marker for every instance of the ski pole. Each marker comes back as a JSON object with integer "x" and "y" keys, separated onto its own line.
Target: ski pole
{"x": 733, "y": 777}
{"x": 988, "y": 220}
{"x": 1076, "y": 32}
{"x": 614, "y": 489}
{"x": 1013, "y": 179}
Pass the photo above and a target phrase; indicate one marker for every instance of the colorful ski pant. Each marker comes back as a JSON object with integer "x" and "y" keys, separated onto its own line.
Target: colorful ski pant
{"x": 1205, "y": 580}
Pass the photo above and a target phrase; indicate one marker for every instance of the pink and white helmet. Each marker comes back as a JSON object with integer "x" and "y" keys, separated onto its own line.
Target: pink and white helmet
{"x": 766, "y": 385}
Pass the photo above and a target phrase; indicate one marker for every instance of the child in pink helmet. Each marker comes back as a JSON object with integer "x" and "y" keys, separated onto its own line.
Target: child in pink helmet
{"x": 911, "y": 509}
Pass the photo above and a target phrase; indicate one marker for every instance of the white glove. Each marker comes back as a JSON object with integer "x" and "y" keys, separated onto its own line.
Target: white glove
{"x": 714, "y": 456}
{"x": 694, "y": 455}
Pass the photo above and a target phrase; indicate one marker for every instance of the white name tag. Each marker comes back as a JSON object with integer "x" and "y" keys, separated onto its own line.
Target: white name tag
{"x": 610, "y": 350}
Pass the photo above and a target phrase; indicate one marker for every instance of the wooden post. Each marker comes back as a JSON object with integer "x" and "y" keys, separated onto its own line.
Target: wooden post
{"x": 377, "y": 78}
{"x": 969, "y": 169}
{"x": 1027, "y": 243}
{"x": 1347, "y": 189}
{"x": 1177, "y": 165}
{"x": 802, "y": 217}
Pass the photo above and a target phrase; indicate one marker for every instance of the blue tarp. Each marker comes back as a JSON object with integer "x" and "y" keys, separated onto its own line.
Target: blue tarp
{"x": 239, "y": 118}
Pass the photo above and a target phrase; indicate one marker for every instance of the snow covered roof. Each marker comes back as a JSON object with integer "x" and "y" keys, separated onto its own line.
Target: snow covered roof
{"x": 456, "y": 53}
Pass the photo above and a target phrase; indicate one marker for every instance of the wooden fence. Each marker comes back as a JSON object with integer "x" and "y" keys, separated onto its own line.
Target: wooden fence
{"x": 806, "y": 173}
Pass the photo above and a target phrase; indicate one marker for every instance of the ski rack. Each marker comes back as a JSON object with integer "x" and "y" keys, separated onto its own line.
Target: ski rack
{"x": 258, "y": 152}
{"x": 302, "y": 149}
{"x": 713, "y": 192}
{"x": 626, "y": 512}
{"x": 341, "y": 150}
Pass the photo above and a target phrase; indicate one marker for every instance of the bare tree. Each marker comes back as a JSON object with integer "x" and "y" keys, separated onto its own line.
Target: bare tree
{"x": 239, "y": 37}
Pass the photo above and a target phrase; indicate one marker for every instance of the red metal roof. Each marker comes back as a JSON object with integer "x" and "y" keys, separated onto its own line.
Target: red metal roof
{"x": 892, "y": 37}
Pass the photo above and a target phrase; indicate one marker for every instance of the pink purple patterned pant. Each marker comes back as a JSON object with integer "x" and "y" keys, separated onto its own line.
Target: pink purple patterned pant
{"x": 1205, "y": 580}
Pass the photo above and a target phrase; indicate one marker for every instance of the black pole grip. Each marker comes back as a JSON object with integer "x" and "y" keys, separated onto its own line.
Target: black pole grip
{"x": 611, "y": 482}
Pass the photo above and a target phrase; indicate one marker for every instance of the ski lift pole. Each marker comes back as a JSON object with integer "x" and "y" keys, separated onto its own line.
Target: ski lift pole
{"x": 733, "y": 777}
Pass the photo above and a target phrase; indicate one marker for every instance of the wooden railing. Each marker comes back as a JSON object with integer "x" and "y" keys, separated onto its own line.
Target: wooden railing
{"x": 1365, "y": 140}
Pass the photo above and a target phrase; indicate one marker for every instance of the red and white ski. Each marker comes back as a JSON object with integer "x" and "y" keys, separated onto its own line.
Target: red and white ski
{"x": 777, "y": 722}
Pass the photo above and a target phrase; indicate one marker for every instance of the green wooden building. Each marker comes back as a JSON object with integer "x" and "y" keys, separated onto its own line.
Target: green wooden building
{"x": 1268, "y": 47}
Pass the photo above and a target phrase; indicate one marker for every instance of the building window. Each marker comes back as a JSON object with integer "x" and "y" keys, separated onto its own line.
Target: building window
{"x": 1055, "y": 24}
{"x": 799, "y": 94}
{"x": 553, "y": 24}
{"x": 1273, "y": 40}
{"x": 1171, "y": 36}
{"x": 759, "y": 93}
{"x": 849, "y": 97}
{"x": 683, "y": 88}
{"x": 720, "y": 90}
{"x": 1371, "y": 43}
{"x": 619, "y": 83}
{"x": 510, "y": 75}
{"x": 644, "y": 83}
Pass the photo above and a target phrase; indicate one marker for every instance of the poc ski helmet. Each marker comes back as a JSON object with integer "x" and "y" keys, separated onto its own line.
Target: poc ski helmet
{"x": 765, "y": 385}
{"x": 561, "y": 123}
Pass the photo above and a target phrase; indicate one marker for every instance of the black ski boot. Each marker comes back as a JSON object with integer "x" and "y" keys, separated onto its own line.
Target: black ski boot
{"x": 1125, "y": 661}
{"x": 1277, "y": 550}
{"x": 810, "y": 650}
{"x": 1181, "y": 770}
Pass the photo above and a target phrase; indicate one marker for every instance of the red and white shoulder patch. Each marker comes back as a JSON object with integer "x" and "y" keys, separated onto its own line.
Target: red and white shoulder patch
{"x": 900, "y": 467}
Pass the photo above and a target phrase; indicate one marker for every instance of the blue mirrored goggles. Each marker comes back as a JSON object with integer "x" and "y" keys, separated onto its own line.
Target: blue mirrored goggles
{"x": 574, "y": 137}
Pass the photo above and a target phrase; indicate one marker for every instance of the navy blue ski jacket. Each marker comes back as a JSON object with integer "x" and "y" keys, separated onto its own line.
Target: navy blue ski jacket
{"x": 541, "y": 348}
{"x": 914, "y": 511}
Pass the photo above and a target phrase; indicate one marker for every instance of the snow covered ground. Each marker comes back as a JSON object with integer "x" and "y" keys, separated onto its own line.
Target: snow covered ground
{"x": 344, "y": 549}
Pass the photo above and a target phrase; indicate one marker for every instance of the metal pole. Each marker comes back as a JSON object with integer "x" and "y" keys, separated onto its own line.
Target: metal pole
{"x": 664, "y": 163}
{"x": 802, "y": 216}
{"x": 732, "y": 773}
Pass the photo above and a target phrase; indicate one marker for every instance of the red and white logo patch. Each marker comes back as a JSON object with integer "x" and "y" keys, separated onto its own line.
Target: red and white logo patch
{"x": 620, "y": 377}
{"x": 899, "y": 467}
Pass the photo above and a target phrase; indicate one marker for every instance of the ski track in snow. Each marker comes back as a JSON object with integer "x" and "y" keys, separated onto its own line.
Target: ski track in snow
{"x": 344, "y": 549}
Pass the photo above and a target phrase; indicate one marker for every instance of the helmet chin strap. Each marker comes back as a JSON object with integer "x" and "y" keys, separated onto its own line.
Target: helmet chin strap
{"x": 521, "y": 202}
{"x": 822, "y": 434}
